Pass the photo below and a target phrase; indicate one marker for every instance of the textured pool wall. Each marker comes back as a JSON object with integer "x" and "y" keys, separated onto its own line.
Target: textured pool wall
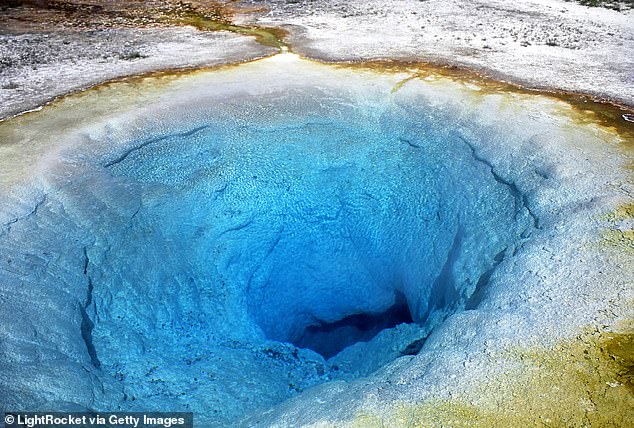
{"x": 315, "y": 216}
{"x": 173, "y": 247}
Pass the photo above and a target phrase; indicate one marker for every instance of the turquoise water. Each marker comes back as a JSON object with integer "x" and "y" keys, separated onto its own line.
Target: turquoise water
{"x": 267, "y": 229}
{"x": 293, "y": 242}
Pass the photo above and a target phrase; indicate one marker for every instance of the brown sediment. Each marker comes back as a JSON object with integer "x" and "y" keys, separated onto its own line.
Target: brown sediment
{"x": 43, "y": 15}
{"x": 584, "y": 382}
{"x": 100, "y": 14}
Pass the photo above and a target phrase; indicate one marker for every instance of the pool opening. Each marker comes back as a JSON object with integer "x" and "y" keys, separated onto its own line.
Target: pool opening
{"x": 282, "y": 241}
{"x": 328, "y": 339}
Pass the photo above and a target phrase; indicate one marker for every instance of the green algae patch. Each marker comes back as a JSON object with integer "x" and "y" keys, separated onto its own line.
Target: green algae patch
{"x": 271, "y": 37}
{"x": 619, "y": 237}
{"x": 623, "y": 212}
{"x": 402, "y": 83}
{"x": 585, "y": 382}
{"x": 620, "y": 348}
{"x": 623, "y": 239}
{"x": 219, "y": 18}
{"x": 438, "y": 413}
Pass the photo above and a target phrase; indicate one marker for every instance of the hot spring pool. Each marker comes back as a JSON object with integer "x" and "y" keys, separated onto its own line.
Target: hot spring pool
{"x": 222, "y": 242}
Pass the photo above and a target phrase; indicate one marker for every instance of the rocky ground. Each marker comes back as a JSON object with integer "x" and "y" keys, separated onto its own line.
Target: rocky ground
{"x": 540, "y": 43}
{"x": 49, "y": 48}
{"x": 67, "y": 46}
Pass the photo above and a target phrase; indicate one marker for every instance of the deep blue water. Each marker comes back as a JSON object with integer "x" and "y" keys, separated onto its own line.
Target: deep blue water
{"x": 315, "y": 226}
